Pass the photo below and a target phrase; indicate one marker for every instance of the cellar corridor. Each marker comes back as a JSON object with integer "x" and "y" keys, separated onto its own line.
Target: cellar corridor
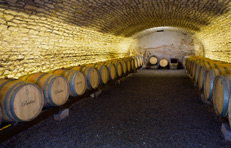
{"x": 148, "y": 109}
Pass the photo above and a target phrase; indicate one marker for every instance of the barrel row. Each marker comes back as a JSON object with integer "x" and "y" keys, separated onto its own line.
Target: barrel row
{"x": 213, "y": 80}
{"x": 23, "y": 99}
{"x": 155, "y": 61}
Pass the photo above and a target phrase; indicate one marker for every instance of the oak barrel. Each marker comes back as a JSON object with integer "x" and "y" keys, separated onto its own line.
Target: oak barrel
{"x": 76, "y": 80}
{"x": 132, "y": 61}
{"x": 204, "y": 68}
{"x": 138, "y": 61}
{"x": 111, "y": 69}
{"x": 55, "y": 88}
{"x": 128, "y": 64}
{"x": 124, "y": 66}
{"x": 153, "y": 60}
{"x": 92, "y": 75}
{"x": 221, "y": 95}
{"x": 118, "y": 67}
{"x": 135, "y": 62}
{"x": 163, "y": 62}
{"x": 209, "y": 80}
{"x": 20, "y": 101}
{"x": 104, "y": 73}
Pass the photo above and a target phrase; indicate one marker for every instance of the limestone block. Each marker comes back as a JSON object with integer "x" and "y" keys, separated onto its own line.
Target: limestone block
{"x": 2, "y": 21}
{"x": 30, "y": 7}
{"x": 12, "y": 1}
{"x": 39, "y": 2}
{"x": 23, "y": 14}
{"x": 8, "y": 17}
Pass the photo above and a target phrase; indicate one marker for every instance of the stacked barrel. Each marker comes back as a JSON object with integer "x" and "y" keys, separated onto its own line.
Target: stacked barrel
{"x": 23, "y": 99}
{"x": 158, "y": 63}
{"x": 213, "y": 79}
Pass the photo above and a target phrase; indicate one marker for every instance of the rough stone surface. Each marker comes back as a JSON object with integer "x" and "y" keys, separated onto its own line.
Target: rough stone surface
{"x": 67, "y": 33}
{"x": 149, "y": 109}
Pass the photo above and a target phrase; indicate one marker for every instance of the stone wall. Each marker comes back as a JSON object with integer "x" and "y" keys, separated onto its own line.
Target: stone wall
{"x": 216, "y": 38}
{"x": 34, "y": 37}
{"x": 42, "y": 35}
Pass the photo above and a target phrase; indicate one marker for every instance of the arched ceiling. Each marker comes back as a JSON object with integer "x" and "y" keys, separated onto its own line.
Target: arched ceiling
{"x": 128, "y": 17}
{"x": 159, "y": 29}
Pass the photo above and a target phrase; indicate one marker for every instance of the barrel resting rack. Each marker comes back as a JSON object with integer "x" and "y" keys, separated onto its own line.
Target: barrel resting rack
{"x": 8, "y": 130}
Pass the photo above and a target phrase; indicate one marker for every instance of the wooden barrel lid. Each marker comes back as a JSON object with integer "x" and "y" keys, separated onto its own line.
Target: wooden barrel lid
{"x": 94, "y": 78}
{"x": 55, "y": 88}
{"x": 76, "y": 79}
{"x": 207, "y": 86}
{"x": 118, "y": 68}
{"x": 111, "y": 69}
{"x": 163, "y": 62}
{"x": 28, "y": 102}
{"x": 200, "y": 80}
{"x": 218, "y": 98}
{"x": 20, "y": 101}
{"x": 128, "y": 63}
{"x": 124, "y": 66}
{"x": 153, "y": 60}
{"x": 104, "y": 74}
{"x": 59, "y": 90}
{"x": 222, "y": 95}
{"x": 80, "y": 83}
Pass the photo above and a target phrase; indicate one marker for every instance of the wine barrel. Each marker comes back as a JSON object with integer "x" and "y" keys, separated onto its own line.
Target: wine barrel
{"x": 203, "y": 69}
{"x": 191, "y": 61}
{"x": 163, "y": 62}
{"x": 112, "y": 70}
{"x": 209, "y": 80}
{"x": 197, "y": 69}
{"x": 153, "y": 60}
{"x": 141, "y": 59}
{"x": 77, "y": 81}
{"x": 104, "y": 73}
{"x": 20, "y": 101}
{"x": 55, "y": 88}
{"x": 138, "y": 61}
{"x": 124, "y": 66}
{"x": 132, "y": 63}
{"x": 135, "y": 62}
{"x": 118, "y": 67}
{"x": 92, "y": 75}
{"x": 196, "y": 64}
{"x": 221, "y": 94}
{"x": 128, "y": 65}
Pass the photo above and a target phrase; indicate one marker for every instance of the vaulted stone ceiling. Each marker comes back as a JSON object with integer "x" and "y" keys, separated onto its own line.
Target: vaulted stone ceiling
{"x": 127, "y": 17}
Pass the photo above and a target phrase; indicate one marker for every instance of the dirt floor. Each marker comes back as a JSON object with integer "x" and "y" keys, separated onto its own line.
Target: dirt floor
{"x": 150, "y": 109}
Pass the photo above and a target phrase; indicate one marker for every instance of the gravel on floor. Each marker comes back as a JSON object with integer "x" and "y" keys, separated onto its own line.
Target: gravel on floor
{"x": 150, "y": 109}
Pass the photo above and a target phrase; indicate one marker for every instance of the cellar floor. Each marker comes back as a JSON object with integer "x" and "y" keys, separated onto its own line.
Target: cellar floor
{"x": 151, "y": 108}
